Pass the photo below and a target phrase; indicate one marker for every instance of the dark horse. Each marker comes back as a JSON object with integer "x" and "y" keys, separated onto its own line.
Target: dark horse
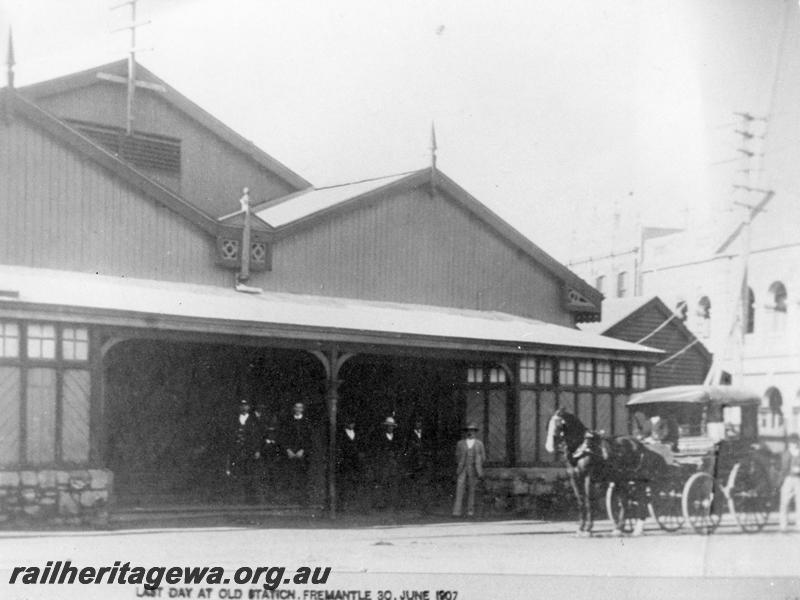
{"x": 594, "y": 458}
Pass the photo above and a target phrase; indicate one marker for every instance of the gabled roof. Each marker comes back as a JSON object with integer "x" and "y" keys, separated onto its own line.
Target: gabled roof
{"x": 617, "y": 311}
{"x": 156, "y": 304}
{"x": 287, "y": 210}
{"x": 176, "y": 99}
{"x": 308, "y": 207}
{"x": 82, "y": 144}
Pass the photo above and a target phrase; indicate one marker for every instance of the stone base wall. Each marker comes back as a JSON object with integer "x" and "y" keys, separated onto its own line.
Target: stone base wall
{"x": 55, "y": 496}
{"x": 535, "y": 491}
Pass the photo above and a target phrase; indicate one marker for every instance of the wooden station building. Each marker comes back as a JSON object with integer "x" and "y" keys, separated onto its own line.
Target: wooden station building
{"x": 140, "y": 300}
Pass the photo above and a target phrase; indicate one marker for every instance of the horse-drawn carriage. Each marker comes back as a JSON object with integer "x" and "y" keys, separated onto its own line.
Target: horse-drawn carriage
{"x": 718, "y": 462}
{"x": 714, "y": 462}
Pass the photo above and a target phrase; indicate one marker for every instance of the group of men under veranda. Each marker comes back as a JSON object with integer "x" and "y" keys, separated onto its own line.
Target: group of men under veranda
{"x": 373, "y": 469}
{"x": 384, "y": 469}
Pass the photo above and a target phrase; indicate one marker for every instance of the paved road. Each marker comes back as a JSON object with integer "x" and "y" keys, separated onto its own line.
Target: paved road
{"x": 478, "y": 559}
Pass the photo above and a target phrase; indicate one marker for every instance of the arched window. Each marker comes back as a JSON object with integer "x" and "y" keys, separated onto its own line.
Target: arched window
{"x": 681, "y": 310}
{"x": 777, "y": 292}
{"x": 750, "y": 312}
{"x": 704, "y": 316}
{"x": 774, "y": 401}
{"x": 777, "y": 305}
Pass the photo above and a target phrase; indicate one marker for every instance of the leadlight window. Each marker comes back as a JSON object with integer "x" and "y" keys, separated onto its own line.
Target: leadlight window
{"x": 41, "y": 341}
{"x": 527, "y": 370}
{"x": 638, "y": 377}
{"x": 546, "y": 371}
{"x": 566, "y": 372}
{"x": 474, "y": 375}
{"x": 585, "y": 373}
{"x": 603, "y": 374}
{"x": 9, "y": 340}
{"x": 497, "y": 375}
{"x": 75, "y": 343}
{"x": 620, "y": 377}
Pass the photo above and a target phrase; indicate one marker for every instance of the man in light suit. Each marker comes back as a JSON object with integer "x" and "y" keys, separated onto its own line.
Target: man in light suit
{"x": 470, "y": 456}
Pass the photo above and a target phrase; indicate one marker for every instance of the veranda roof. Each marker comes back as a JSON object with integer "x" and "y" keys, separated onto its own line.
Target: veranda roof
{"x": 83, "y": 297}
{"x": 720, "y": 395}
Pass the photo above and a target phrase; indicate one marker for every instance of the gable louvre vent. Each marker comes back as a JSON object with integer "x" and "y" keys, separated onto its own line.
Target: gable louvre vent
{"x": 145, "y": 150}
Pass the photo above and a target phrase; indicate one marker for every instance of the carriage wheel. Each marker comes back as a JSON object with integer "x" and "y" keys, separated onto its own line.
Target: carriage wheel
{"x": 750, "y": 494}
{"x": 703, "y": 502}
{"x": 617, "y": 506}
{"x": 665, "y": 505}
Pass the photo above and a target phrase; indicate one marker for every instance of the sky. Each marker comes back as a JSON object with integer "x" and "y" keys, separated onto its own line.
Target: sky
{"x": 575, "y": 120}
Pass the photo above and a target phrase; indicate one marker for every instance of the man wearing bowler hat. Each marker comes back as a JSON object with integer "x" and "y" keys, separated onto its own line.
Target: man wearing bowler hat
{"x": 470, "y": 456}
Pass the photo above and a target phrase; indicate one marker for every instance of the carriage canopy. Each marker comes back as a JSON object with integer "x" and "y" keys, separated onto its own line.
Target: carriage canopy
{"x": 717, "y": 395}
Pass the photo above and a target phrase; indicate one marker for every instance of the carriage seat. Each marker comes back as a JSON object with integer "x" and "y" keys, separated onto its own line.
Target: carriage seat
{"x": 664, "y": 450}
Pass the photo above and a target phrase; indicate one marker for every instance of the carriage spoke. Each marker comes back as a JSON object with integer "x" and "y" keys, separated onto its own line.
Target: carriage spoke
{"x": 703, "y": 503}
{"x": 665, "y": 506}
{"x": 750, "y": 495}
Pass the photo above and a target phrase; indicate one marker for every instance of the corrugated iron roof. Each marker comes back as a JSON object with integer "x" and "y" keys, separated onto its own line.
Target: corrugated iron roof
{"x": 308, "y": 202}
{"x": 42, "y": 287}
{"x": 614, "y": 311}
{"x": 719, "y": 395}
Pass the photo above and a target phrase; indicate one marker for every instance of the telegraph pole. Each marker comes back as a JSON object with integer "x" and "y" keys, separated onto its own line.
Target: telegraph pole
{"x": 751, "y": 168}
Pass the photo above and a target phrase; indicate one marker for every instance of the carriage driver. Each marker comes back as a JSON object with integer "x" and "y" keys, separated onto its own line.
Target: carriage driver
{"x": 663, "y": 438}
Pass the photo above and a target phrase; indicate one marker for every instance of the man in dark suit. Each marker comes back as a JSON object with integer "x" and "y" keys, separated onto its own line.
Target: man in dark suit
{"x": 417, "y": 458}
{"x": 470, "y": 456}
{"x": 245, "y": 451}
{"x": 297, "y": 446}
{"x": 388, "y": 450}
{"x": 349, "y": 463}
{"x": 272, "y": 457}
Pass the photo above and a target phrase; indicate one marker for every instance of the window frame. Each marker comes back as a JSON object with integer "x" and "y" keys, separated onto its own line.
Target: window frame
{"x": 3, "y": 339}
{"x": 637, "y": 372}
{"x": 605, "y": 401}
{"x": 622, "y": 284}
{"x": 58, "y": 365}
{"x": 39, "y": 360}
{"x": 486, "y": 386}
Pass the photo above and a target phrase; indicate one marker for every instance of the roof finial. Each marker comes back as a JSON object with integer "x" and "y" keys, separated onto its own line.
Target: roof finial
{"x": 434, "y": 147}
{"x": 10, "y": 60}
